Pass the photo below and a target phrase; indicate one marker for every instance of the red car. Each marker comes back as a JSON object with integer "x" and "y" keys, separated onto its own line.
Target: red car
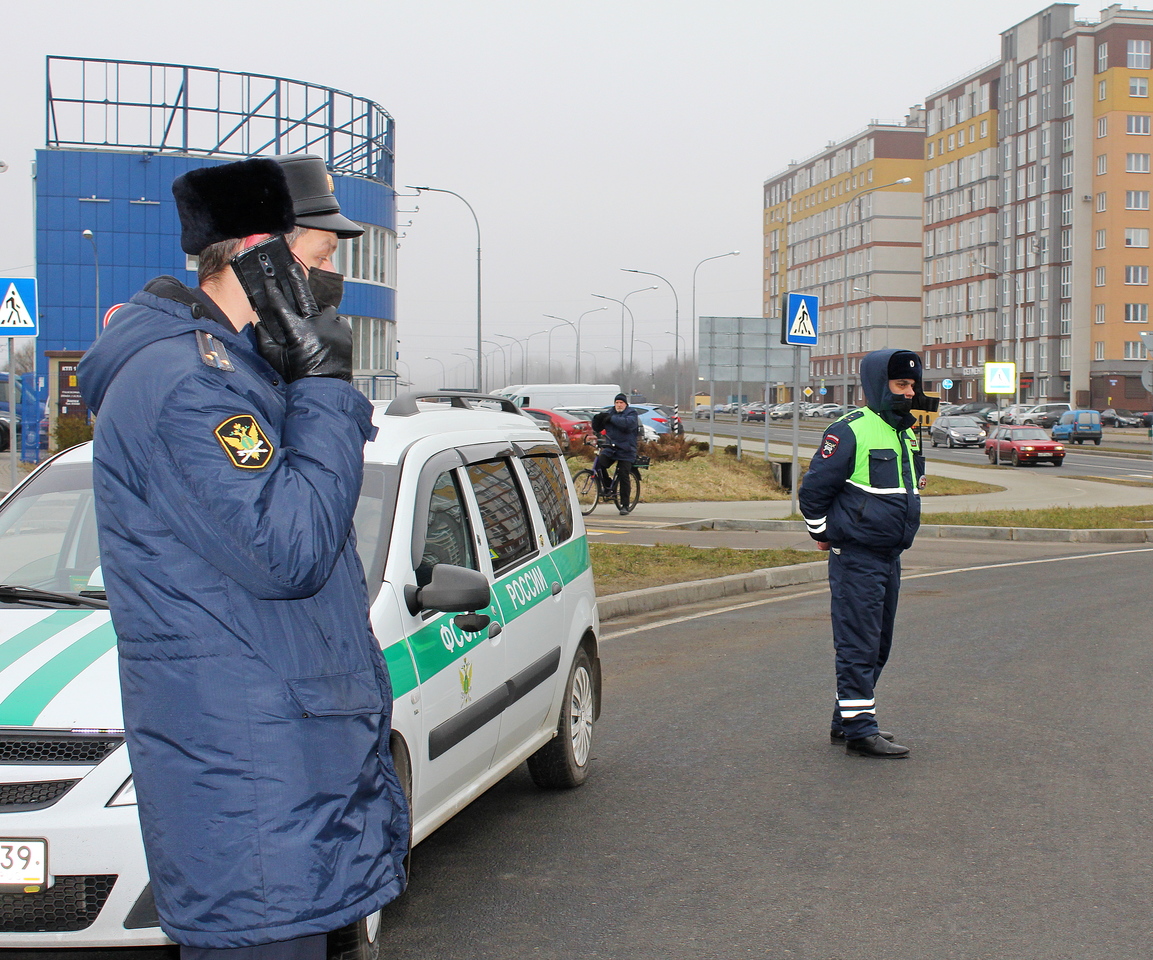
{"x": 563, "y": 427}
{"x": 1023, "y": 444}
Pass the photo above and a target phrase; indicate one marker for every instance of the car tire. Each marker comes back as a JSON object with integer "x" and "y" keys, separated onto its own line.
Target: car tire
{"x": 587, "y": 491}
{"x": 1016, "y": 460}
{"x": 949, "y": 443}
{"x": 933, "y": 441}
{"x": 1097, "y": 443}
{"x": 564, "y": 761}
{"x": 1057, "y": 461}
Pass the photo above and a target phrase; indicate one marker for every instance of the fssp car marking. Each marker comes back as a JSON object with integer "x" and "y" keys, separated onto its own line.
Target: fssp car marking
{"x": 524, "y": 589}
{"x": 30, "y": 638}
{"x": 24, "y": 704}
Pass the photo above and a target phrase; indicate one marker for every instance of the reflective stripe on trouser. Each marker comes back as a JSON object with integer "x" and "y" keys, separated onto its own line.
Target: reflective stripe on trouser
{"x": 863, "y": 587}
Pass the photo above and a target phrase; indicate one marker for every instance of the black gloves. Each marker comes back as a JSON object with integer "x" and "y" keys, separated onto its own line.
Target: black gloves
{"x": 317, "y": 345}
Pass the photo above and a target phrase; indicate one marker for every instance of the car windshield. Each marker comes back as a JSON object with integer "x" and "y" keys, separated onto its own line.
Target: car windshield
{"x": 964, "y": 422}
{"x": 1028, "y": 434}
{"x": 48, "y": 530}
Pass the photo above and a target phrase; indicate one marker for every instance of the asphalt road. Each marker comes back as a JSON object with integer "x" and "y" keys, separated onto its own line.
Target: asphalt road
{"x": 1136, "y": 462}
{"x": 720, "y": 823}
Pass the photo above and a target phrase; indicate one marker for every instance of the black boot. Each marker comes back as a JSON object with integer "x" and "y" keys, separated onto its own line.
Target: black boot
{"x": 875, "y": 746}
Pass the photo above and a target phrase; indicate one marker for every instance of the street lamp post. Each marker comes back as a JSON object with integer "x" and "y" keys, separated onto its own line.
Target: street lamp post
{"x": 505, "y": 336}
{"x": 479, "y": 364}
{"x": 652, "y": 362}
{"x": 676, "y": 326}
{"x": 596, "y": 376}
{"x": 527, "y": 344}
{"x": 845, "y": 312}
{"x": 632, "y": 324}
{"x": 88, "y": 235}
{"x": 443, "y": 371}
{"x": 693, "y": 334}
{"x": 577, "y": 327}
{"x": 503, "y": 358}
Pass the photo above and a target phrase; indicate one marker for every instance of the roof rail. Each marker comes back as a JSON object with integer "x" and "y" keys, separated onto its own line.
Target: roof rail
{"x": 405, "y": 404}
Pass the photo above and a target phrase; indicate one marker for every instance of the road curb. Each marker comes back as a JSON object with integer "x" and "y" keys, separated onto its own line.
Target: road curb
{"x": 634, "y": 602}
{"x": 947, "y": 531}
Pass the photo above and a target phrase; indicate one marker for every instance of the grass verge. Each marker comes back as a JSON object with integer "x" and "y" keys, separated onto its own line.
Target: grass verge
{"x": 618, "y": 567}
{"x": 724, "y": 477}
{"x": 1064, "y": 518}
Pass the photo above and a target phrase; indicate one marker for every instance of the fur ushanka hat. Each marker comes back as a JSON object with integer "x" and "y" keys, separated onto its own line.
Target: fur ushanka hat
{"x": 230, "y": 201}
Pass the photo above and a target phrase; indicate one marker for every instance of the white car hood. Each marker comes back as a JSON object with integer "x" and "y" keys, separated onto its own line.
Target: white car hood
{"x": 58, "y": 669}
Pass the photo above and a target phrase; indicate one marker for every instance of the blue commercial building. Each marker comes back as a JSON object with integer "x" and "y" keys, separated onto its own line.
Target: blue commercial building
{"x": 119, "y": 133}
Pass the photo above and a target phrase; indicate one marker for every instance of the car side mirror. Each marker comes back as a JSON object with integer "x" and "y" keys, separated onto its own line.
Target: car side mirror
{"x": 452, "y": 589}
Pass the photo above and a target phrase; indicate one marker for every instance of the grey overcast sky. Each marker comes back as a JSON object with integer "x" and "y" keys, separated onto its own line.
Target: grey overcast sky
{"x": 587, "y": 136}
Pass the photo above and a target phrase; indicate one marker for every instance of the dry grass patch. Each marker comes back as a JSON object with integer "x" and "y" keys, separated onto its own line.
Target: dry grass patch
{"x": 1061, "y": 518}
{"x": 951, "y": 487}
{"x": 618, "y": 567}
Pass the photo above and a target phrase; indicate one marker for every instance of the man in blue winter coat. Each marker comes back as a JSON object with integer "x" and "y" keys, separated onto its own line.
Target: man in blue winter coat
{"x": 620, "y": 425}
{"x": 861, "y": 501}
{"x": 227, "y": 465}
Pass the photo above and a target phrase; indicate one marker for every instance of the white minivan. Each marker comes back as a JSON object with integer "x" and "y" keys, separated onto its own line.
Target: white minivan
{"x": 482, "y": 600}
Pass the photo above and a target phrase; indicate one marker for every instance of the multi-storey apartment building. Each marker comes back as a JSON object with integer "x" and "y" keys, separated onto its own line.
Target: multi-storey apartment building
{"x": 961, "y": 188}
{"x": 846, "y": 225}
{"x": 1034, "y": 232}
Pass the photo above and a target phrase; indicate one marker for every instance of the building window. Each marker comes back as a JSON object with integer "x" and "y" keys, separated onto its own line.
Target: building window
{"x": 1066, "y": 246}
{"x": 1102, "y": 164}
{"x": 1067, "y": 63}
{"x": 1100, "y": 239}
{"x": 1102, "y": 57}
{"x": 1100, "y": 277}
{"x": 1138, "y": 86}
{"x": 1137, "y": 276}
{"x": 1099, "y": 313}
{"x": 984, "y": 129}
{"x": 1102, "y": 89}
{"x": 1135, "y": 350}
{"x": 1101, "y": 202}
{"x": 1137, "y": 123}
{"x": 1136, "y": 163}
{"x": 1066, "y": 283}
{"x": 1137, "y": 54}
{"x": 1136, "y": 313}
{"x": 1066, "y": 354}
{"x": 1136, "y": 236}
{"x": 1099, "y": 350}
{"x": 1102, "y": 127}
{"x": 1067, "y": 134}
{"x": 370, "y": 257}
{"x": 1136, "y": 199}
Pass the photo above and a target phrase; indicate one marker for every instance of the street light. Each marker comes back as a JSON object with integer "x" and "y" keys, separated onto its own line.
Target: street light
{"x": 503, "y": 358}
{"x": 505, "y": 336}
{"x": 677, "y": 327}
{"x": 719, "y": 256}
{"x": 845, "y": 312}
{"x": 479, "y": 365}
{"x": 652, "y": 362}
{"x": 87, "y": 235}
{"x": 577, "y": 327}
{"x": 596, "y": 376}
{"x": 443, "y": 370}
{"x": 621, "y": 354}
{"x": 632, "y": 323}
{"x": 527, "y": 343}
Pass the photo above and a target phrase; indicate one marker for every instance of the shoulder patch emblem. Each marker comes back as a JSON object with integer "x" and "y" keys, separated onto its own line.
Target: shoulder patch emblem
{"x": 213, "y": 352}
{"x": 829, "y": 446}
{"x": 244, "y": 442}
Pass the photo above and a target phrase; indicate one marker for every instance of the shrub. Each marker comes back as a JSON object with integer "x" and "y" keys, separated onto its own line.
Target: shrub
{"x": 71, "y": 430}
{"x": 670, "y": 446}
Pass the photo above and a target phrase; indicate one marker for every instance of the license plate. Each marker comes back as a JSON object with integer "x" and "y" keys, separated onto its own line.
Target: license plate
{"x": 23, "y": 863}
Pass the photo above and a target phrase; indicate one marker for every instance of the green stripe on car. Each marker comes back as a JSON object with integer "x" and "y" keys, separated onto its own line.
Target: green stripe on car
{"x": 24, "y": 704}
{"x": 29, "y": 639}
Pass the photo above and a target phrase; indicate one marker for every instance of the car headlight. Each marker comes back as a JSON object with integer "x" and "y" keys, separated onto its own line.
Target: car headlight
{"x": 1028, "y": 449}
{"x": 125, "y": 796}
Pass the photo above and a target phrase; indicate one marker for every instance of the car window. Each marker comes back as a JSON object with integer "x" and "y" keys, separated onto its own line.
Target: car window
{"x": 447, "y": 536}
{"x": 964, "y": 422}
{"x": 48, "y": 533}
{"x": 546, "y": 476}
{"x": 372, "y": 521}
{"x": 1028, "y": 435}
{"x": 503, "y": 513}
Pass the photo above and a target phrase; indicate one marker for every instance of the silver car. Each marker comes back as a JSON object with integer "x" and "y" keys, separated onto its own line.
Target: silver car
{"x": 957, "y": 431}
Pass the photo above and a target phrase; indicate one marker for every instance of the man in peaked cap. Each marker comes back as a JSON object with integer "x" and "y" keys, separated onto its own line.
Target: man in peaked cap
{"x": 861, "y": 501}
{"x": 257, "y": 706}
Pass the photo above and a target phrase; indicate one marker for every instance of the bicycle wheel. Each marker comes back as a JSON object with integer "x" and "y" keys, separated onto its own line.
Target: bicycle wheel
{"x": 586, "y": 490}
{"x": 634, "y": 492}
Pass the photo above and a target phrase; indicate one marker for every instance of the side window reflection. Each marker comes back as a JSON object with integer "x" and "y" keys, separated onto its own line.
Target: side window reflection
{"x": 447, "y": 537}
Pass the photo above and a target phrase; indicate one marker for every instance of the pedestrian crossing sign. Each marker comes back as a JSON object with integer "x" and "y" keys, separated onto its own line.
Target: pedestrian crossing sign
{"x": 18, "y": 317}
{"x": 1000, "y": 378}
{"x": 799, "y": 327}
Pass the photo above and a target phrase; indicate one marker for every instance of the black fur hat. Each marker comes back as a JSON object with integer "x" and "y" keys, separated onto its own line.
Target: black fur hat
{"x": 230, "y": 201}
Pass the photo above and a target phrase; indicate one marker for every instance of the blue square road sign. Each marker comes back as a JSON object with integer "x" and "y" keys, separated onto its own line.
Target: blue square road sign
{"x": 800, "y": 321}
{"x": 19, "y": 316}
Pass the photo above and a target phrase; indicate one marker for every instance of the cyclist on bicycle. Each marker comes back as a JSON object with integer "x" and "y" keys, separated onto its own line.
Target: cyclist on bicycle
{"x": 620, "y": 426}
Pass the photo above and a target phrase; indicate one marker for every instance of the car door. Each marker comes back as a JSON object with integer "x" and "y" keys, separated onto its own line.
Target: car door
{"x": 528, "y": 591}
{"x": 460, "y": 672}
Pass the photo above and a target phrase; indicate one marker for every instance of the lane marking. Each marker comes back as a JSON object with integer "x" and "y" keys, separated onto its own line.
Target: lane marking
{"x": 700, "y": 615}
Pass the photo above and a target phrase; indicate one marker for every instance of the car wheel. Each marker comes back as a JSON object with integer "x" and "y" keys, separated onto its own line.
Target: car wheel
{"x": 564, "y": 760}
{"x": 357, "y": 941}
{"x": 933, "y": 441}
{"x": 1057, "y": 461}
{"x": 587, "y": 491}
{"x": 1016, "y": 459}
{"x": 949, "y": 443}
{"x": 1097, "y": 443}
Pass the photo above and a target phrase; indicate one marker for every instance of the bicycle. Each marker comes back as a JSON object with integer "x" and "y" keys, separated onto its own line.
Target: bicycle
{"x": 591, "y": 490}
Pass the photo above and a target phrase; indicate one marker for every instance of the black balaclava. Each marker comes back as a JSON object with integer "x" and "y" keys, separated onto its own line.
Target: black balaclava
{"x": 877, "y": 369}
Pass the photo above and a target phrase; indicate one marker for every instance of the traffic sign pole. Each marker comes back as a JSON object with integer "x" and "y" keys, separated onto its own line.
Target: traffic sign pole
{"x": 12, "y": 455}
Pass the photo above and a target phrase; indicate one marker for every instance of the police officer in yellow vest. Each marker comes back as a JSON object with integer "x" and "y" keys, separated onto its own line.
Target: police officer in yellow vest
{"x": 861, "y": 501}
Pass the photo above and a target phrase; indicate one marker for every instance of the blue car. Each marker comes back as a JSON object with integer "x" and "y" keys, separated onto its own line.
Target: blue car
{"x": 1077, "y": 426}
